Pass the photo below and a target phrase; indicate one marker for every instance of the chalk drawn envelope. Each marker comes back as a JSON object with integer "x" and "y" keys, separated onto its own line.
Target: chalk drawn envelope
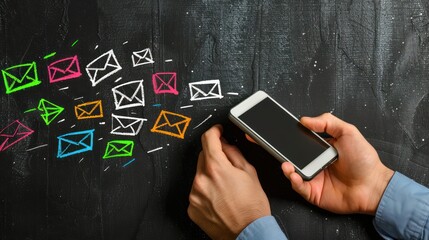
{"x": 50, "y": 111}
{"x": 64, "y": 69}
{"x": 20, "y": 77}
{"x": 119, "y": 148}
{"x": 89, "y": 110}
{"x": 126, "y": 126}
{"x": 171, "y": 124}
{"x": 12, "y": 134}
{"x": 142, "y": 57}
{"x": 208, "y": 89}
{"x": 126, "y": 100}
{"x": 74, "y": 143}
{"x": 102, "y": 67}
{"x": 165, "y": 82}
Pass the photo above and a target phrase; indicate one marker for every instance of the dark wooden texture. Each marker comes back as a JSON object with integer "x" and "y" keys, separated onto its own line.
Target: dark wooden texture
{"x": 367, "y": 61}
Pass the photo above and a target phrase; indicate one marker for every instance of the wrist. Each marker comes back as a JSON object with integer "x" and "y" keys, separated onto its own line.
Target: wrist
{"x": 380, "y": 186}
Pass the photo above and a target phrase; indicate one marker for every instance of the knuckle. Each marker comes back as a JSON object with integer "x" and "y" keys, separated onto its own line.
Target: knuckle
{"x": 352, "y": 128}
{"x": 192, "y": 200}
{"x": 207, "y": 134}
{"x": 199, "y": 184}
{"x": 213, "y": 169}
{"x": 327, "y": 115}
{"x": 190, "y": 212}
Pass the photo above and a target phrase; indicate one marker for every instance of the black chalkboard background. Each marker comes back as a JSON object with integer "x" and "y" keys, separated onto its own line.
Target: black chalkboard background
{"x": 365, "y": 61}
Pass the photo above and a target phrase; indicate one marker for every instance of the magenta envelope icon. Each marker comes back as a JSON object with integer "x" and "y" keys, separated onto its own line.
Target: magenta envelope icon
{"x": 12, "y": 134}
{"x": 64, "y": 69}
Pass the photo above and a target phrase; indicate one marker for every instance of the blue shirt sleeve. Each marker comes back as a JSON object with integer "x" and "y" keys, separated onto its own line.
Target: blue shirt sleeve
{"x": 403, "y": 211}
{"x": 262, "y": 228}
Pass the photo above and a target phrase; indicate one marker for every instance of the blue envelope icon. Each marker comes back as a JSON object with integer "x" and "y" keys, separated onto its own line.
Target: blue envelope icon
{"x": 74, "y": 143}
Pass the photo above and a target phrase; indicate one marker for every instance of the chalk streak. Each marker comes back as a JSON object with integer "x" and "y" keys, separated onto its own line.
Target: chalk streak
{"x": 232, "y": 93}
{"x": 156, "y": 105}
{"x": 125, "y": 43}
{"x": 96, "y": 47}
{"x": 73, "y": 126}
{"x": 100, "y": 139}
{"x": 154, "y": 150}
{"x": 119, "y": 79}
{"x": 203, "y": 121}
{"x": 81, "y": 160}
{"x": 64, "y": 88}
{"x": 128, "y": 163}
{"x": 31, "y": 149}
{"x": 49, "y": 55}
{"x": 169, "y": 60}
{"x": 30, "y": 110}
{"x": 62, "y": 120}
{"x": 187, "y": 106}
{"x": 79, "y": 98}
{"x": 102, "y": 123}
{"x": 74, "y": 43}
{"x": 106, "y": 168}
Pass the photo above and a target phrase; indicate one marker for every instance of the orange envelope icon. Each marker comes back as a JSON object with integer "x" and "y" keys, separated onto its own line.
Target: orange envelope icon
{"x": 89, "y": 110}
{"x": 171, "y": 124}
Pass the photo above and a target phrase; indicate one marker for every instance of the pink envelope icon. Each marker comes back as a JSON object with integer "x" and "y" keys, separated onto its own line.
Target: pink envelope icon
{"x": 64, "y": 69}
{"x": 165, "y": 82}
{"x": 12, "y": 134}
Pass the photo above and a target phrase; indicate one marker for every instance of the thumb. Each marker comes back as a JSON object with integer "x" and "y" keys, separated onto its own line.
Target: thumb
{"x": 327, "y": 123}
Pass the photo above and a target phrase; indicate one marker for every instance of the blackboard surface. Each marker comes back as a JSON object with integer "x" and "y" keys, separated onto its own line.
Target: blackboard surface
{"x": 365, "y": 61}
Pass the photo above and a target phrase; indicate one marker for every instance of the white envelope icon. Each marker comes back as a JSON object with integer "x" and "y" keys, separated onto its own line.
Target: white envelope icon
{"x": 142, "y": 57}
{"x": 126, "y": 100}
{"x": 126, "y": 126}
{"x": 208, "y": 89}
{"x": 102, "y": 67}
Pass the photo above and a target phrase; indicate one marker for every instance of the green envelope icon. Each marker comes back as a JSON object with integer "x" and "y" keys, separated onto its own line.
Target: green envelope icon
{"x": 119, "y": 148}
{"x": 20, "y": 77}
{"x": 49, "y": 110}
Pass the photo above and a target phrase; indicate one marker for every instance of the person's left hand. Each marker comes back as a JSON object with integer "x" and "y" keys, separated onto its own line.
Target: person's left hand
{"x": 226, "y": 195}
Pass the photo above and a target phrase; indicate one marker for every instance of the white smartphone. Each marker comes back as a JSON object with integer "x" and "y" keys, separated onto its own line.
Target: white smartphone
{"x": 281, "y": 134}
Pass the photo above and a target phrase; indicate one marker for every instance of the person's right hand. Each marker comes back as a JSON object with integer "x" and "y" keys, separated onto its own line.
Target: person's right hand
{"x": 354, "y": 183}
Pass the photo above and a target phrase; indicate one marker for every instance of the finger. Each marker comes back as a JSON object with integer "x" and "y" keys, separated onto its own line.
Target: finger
{"x": 212, "y": 145}
{"x": 200, "y": 163}
{"x": 250, "y": 139}
{"x": 288, "y": 169}
{"x": 298, "y": 184}
{"x": 234, "y": 156}
{"x": 211, "y": 138}
{"x": 325, "y": 123}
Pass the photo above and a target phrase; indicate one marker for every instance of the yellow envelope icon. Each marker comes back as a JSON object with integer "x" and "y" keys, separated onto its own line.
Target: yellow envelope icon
{"x": 89, "y": 110}
{"x": 208, "y": 89}
{"x": 171, "y": 124}
{"x": 20, "y": 77}
{"x": 119, "y": 148}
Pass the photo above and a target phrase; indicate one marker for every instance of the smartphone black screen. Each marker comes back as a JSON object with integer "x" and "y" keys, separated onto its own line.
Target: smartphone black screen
{"x": 284, "y": 133}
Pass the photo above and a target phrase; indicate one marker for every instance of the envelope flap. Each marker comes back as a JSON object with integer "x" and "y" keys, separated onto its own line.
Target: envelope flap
{"x": 129, "y": 90}
{"x": 46, "y": 105}
{"x": 206, "y": 89}
{"x": 101, "y": 62}
{"x": 145, "y": 53}
{"x": 80, "y": 138}
{"x": 120, "y": 146}
{"x": 166, "y": 78}
{"x": 21, "y": 72}
{"x": 89, "y": 108}
{"x": 126, "y": 122}
{"x": 173, "y": 119}
{"x": 64, "y": 65}
{"x": 14, "y": 129}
